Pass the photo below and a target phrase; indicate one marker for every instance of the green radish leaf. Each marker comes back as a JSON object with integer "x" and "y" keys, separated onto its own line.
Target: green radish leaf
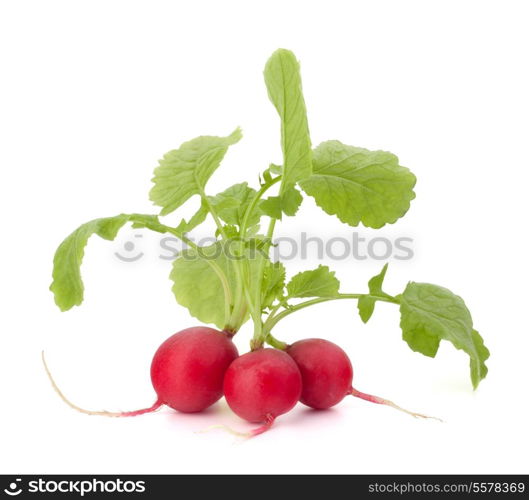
{"x": 273, "y": 284}
{"x": 253, "y": 231}
{"x": 287, "y": 203}
{"x": 290, "y": 201}
{"x": 429, "y": 314}
{"x": 184, "y": 172}
{"x": 198, "y": 218}
{"x": 266, "y": 178}
{"x": 478, "y": 369}
{"x": 67, "y": 285}
{"x": 232, "y": 203}
{"x": 271, "y": 206}
{"x": 283, "y": 81}
{"x": 275, "y": 169}
{"x": 151, "y": 222}
{"x": 366, "y": 303}
{"x": 271, "y": 172}
{"x": 231, "y": 232}
{"x": 358, "y": 185}
{"x": 320, "y": 282}
{"x": 198, "y": 286}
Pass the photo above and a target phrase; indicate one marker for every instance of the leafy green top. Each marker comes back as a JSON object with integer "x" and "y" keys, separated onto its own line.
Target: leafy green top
{"x": 358, "y": 185}
{"x": 233, "y": 279}
{"x": 67, "y": 285}
{"x": 429, "y": 314}
{"x": 283, "y": 81}
{"x": 319, "y": 282}
{"x": 185, "y": 171}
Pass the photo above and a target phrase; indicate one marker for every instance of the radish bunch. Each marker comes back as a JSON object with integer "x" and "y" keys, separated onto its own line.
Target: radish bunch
{"x": 234, "y": 279}
{"x": 193, "y": 368}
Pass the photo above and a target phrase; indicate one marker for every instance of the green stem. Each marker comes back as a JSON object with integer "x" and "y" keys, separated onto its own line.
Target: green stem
{"x": 236, "y": 316}
{"x": 274, "y": 319}
{"x": 274, "y": 310}
{"x": 278, "y": 344}
{"x": 254, "y": 313}
{"x": 239, "y": 310}
{"x": 255, "y": 302}
{"x": 211, "y": 210}
{"x": 259, "y": 333}
{"x": 253, "y": 203}
{"x": 240, "y": 307}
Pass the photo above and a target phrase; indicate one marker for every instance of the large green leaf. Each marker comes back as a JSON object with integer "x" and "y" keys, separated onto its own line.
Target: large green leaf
{"x": 198, "y": 275}
{"x": 283, "y": 81}
{"x": 198, "y": 286}
{"x": 429, "y": 314}
{"x": 358, "y": 185}
{"x": 67, "y": 285}
{"x": 184, "y": 172}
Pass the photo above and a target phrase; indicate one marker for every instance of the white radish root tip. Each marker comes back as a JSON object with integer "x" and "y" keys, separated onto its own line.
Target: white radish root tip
{"x": 269, "y": 420}
{"x": 225, "y": 428}
{"x": 102, "y": 413}
{"x": 381, "y": 401}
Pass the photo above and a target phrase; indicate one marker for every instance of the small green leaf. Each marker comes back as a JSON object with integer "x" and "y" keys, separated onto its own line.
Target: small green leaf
{"x": 290, "y": 201}
{"x": 429, "y": 314}
{"x": 271, "y": 206}
{"x": 366, "y": 306}
{"x": 230, "y": 231}
{"x": 267, "y": 177}
{"x": 67, "y": 285}
{"x": 320, "y": 282}
{"x": 358, "y": 185}
{"x": 198, "y": 218}
{"x": 478, "y": 369}
{"x": 275, "y": 169}
{"x": 184, "y": 172}
{"x": 366, "y": 303}
{"x": 287, "y": 203}
{"x": 232, "y": 203}
{"x": 273, "y": 284}
{"x": 271, "y": 172}
{"x": 283, "y": 81}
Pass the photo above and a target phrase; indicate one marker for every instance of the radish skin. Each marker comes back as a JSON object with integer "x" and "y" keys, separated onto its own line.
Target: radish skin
{"x": 261, "y": 385}
{"x": 187, "y": 372}
{"x": 327, "y": 375}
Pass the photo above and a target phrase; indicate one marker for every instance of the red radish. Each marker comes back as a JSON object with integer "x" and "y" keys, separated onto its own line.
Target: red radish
{"x": 187, "y": 372}
{"x": 327, "y": 375}
{"x": 261, "y": 385}
{"x": 188, "y": 369}
{"x": 325, "y": 369}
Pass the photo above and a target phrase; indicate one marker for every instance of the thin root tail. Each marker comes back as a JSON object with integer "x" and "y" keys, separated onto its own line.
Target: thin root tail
{"x": 381, "y": 401}
{"x": 102, "y": 413}
{"x": 269, "y": 420}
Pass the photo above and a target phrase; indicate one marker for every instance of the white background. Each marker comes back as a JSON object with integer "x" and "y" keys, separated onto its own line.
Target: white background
{"x": 93, "y": 93}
